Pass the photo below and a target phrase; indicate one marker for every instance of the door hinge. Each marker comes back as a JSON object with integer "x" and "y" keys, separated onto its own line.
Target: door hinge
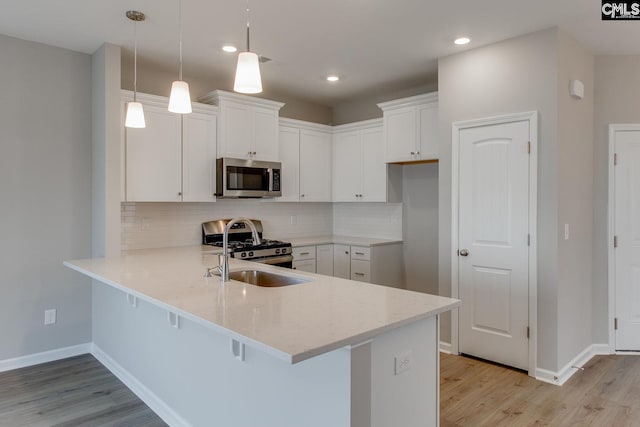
{"x": 615, "y": 323}
{"x": 528, "y": 332}
{"x": 529, "y": 147}
{"x": 615, "y": 159}
{"x": 615, "y": 241}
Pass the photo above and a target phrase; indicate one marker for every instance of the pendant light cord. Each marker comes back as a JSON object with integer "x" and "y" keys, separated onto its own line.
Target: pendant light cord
{"x": 248, "y": 50}
{"x": 180, "y": 29}
{"x": 135, "y": 60}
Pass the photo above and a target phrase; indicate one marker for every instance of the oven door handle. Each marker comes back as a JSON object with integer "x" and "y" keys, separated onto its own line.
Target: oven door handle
{"x": 274, "y": 260}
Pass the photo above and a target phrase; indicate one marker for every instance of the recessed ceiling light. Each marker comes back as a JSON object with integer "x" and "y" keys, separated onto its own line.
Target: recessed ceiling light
{"x": 462, "y": 40}
{"x": 230, "y": 49}
{"x": 333, "y": 78}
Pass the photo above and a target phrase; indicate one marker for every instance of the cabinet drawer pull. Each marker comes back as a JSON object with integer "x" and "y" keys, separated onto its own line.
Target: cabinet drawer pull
{"x": 359, "y": 253}
{"x": 346, "y": 252}
{"x": 413, "y": 153}
{"x": 304, "y": 253}
{"x": 359, "y": 274}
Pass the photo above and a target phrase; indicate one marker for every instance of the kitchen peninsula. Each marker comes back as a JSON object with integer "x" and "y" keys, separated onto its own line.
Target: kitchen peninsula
{"x": 327, "y": 352}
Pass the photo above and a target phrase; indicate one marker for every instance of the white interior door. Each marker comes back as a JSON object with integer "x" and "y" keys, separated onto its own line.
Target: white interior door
{"x": 493, "y": 262}
{"x": 627, "y": 230}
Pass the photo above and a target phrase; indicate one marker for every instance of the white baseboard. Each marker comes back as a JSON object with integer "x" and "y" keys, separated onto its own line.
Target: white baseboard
{"x": 446, "y": 347}
{"x": 156, "y": 404}
{"x": 44, "y": 357}
{"x": 567, "y": 371}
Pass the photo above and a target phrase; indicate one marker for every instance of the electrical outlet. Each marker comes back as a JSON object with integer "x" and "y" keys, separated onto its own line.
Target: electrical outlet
{"x": 403, "y": 361}
{"x": 566, "y": 232}
{"x": 50, "y": 316}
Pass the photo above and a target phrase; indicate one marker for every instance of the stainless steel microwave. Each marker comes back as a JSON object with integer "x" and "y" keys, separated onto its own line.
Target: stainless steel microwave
{"x": 238, "y": 178}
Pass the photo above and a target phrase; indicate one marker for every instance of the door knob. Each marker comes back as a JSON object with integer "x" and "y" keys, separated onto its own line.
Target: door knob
{"x": 464, "y": 252}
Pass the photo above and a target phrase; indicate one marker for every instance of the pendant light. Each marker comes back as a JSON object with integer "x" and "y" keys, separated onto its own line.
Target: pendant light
{"x": 180, "y": 99}
{"x": 135, "y": 114}
{"x": 248, "y": 70}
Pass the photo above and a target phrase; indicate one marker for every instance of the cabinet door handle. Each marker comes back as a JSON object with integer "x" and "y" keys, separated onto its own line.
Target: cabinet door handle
{"x": 417, "y": 153}
{"x": 346, "y": 252}
{"x": 413, "y": 153}
{"x": 304, "y": 253}
{"x": 180, "y": 193}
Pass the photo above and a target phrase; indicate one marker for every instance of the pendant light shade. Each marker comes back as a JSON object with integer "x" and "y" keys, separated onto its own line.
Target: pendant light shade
{"x": 135, "y": 115}
{"x": 248, "y": 74}
{"x": 180, "y": 98}
{"x": 248, "y": 78}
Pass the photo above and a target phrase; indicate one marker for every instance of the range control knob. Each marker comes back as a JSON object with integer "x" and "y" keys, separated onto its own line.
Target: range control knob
{"x": 243, "y": 255}
{"x": 277, "y": 251}
{"x": 250, "y": 253}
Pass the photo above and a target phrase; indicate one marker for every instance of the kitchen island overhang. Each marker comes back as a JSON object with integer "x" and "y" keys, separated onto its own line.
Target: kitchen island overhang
{"x": 339, "y": 340}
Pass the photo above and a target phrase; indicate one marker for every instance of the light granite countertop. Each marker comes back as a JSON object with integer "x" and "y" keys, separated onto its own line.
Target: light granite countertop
{"x": 293, "y": 323}
{"x": 342, "y": 240}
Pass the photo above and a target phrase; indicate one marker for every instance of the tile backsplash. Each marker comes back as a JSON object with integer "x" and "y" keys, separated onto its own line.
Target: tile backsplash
{"x": 157, "y": 225}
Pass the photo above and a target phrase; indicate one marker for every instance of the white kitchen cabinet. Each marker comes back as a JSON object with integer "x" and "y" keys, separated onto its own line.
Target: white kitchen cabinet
{"x": 347, "y": 166}
{"x": 324, "y": 260}
{"x": 315, "y": 166}
{"x": 360, "y": 173}
{"x": 342, "y": 261}
{"x": 411, "y": 129}
{"x": 248, "y": 126}
{"x": 308, "y": 265}
{"x": 173, "y": 158}
{"x": 198, "y": 157}
{"x": 304, "y": 258}
{"x": 305, "y": 154}
{"x": 289, "y": 148}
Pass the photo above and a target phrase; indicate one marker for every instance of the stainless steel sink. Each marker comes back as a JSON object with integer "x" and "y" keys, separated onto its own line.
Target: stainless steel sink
{"x": 265, "y": 278}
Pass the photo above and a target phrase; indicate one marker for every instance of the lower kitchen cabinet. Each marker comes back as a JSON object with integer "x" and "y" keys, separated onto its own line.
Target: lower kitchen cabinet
{"x": 304, "y": 258}
{"x": 342, "y": 261}
{"x": 324, "y": 260}
{"x": 380, "y": 264}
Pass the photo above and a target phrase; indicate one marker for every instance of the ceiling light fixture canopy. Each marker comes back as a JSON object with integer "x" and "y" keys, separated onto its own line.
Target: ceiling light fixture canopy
{"x": 248, "y": 78}
{"x": 135, "y": 113}
{"x": 180, "y": 98}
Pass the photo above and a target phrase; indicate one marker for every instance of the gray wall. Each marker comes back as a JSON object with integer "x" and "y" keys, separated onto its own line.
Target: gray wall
{"x": 157, "y": 80}
{"x": 515, "y": 75}
{"x": 45, "y": 183}
{"x": 575, "y": 200}
{"x": 420, "y": 227}
{"x": 106, "y": 153}
{"x": 366, "y": 108}
{"x": 617, "y": 100}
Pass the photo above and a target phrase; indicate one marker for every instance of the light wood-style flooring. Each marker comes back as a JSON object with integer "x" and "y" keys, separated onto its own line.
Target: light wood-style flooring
{"x": 475, "y": 393}
{"x": 78, "y": 391}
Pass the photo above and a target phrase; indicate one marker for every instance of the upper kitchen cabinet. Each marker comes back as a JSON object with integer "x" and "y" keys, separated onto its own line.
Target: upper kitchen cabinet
{"x": 173, "y": 158}
{"x": 247, "y": 126}
{"x": 411, "y": 129}
{"x": 360, "y": 173}
{"x": 305, "y": 154}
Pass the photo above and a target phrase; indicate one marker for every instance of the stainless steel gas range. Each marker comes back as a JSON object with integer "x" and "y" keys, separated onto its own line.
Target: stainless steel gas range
{"x": 274, "y": 252}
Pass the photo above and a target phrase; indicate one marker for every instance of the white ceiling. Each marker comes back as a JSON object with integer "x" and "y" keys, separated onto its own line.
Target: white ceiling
{"x": 374, "y": 45}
